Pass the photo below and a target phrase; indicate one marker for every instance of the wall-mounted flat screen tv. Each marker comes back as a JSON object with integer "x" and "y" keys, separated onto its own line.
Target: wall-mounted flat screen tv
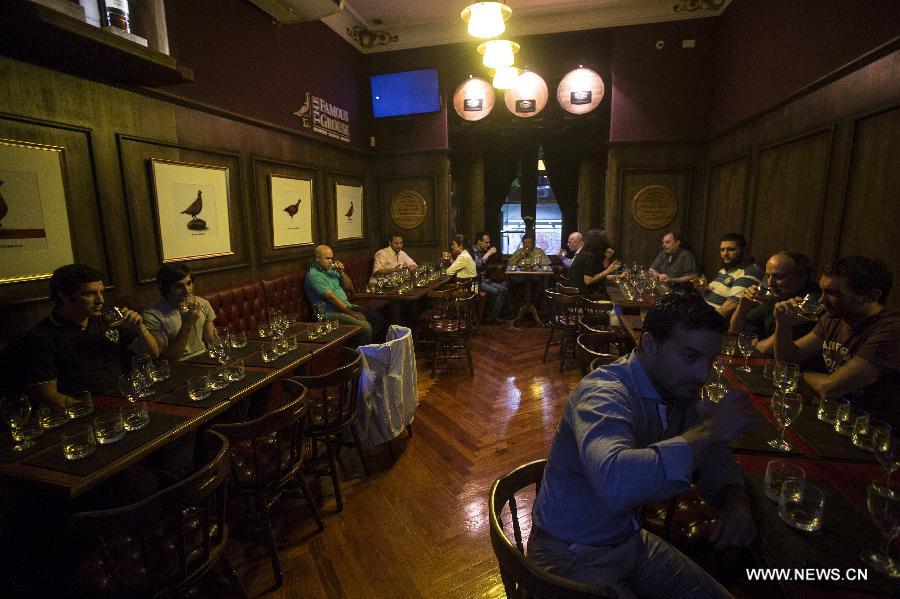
{"x": 409, "y": 92}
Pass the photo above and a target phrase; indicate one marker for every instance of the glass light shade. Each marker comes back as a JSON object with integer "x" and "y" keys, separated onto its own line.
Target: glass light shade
{"x": 498, "y": 53}
{"x": 486, "y": 19}
{"x": 506, "y": 77}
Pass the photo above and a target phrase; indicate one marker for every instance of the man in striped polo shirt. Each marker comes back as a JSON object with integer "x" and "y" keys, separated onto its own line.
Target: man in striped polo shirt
{"x": 737, "y": 273}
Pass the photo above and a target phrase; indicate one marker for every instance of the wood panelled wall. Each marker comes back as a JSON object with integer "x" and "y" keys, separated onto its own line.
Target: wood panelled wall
{"x": 817, "y": 173}
{"x": 109, "y": 132}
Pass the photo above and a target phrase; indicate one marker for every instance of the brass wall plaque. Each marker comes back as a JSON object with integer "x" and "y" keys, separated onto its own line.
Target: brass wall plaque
{"x": 408, "y": 209}
{"x": 654, "y": 207}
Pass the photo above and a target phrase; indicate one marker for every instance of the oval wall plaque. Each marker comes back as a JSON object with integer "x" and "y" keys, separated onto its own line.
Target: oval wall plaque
{"x": 654, "y": 207}
{"x": 473, "y": 99}
{"x": 528, "y": 97}
{"x": 580, "y": 91}
{"x": 408, "y": 209}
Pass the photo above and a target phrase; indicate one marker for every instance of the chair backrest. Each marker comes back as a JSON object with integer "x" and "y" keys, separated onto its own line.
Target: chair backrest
{"x": 463, "y": 308}
{"x": 596, "y": 323}
{"x": 160, "y": 545}
{"x": 592, "y": 306}
{"x": 269, "y": 450}
{"x": 522, "y": 577}
{"x": 567, "y": 289}
{"x": 565, "y": 307}
{"x": 332, "y": 396}
{"x": 594, "y": 347}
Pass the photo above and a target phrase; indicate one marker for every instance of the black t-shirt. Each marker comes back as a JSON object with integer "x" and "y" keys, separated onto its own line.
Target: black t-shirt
{"x": 585, "y": 264}
{"x": 90, "y": 359}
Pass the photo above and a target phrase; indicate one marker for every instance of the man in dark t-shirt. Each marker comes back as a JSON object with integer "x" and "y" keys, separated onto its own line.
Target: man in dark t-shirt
{"x": 858, "y": 337}
{"x": 73, "y": 349}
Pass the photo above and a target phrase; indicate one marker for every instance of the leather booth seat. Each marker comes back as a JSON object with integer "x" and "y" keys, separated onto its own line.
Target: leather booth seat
{"x": 241, "y": 308}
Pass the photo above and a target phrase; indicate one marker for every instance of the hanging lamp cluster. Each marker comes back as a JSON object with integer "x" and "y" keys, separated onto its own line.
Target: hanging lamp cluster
{"x": 488, "y": 20}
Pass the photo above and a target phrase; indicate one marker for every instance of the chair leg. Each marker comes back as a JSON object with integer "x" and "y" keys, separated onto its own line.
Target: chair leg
{"x": 332, "y": 470}
{"x": 409, "y": 430}
{"x": 307, "y": 496}
{"x": 232, "y": 575}
{"x": 360, "y": 449}
{"x": 273, "y": 551}
{"x": 549, "y": 342}
{"x": 438, "y": 344}
{"x": 469, "y": 356}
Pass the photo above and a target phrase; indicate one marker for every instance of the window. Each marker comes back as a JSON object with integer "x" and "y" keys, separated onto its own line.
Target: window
{"x": 547, "y": 225}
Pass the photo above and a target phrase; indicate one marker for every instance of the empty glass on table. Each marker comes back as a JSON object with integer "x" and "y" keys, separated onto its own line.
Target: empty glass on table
{"x": 16, "y": 412}
{"x": 79, "y": 404}
{"x": 887, "y": 449}
{"x": 746, "y": 343}
{"x": 801, "y": 504}
{"x": 883, "y": 501}
{"x": 786, "y": 376}
{"x": 786, "y": 407}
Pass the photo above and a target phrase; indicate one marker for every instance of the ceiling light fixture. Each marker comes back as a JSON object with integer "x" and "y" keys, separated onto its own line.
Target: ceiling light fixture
{"x": 498, "y": 53}
{"x": 486, "y": 19}
{"x": 505, "y": 77}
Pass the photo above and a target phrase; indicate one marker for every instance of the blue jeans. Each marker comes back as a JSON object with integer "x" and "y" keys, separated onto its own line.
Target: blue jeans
{"x": 372, "y": 328}
{"x": 499, "y": 292}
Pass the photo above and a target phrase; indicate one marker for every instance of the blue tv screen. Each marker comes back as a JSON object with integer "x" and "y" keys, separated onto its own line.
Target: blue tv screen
{"x": 409, "y": 92}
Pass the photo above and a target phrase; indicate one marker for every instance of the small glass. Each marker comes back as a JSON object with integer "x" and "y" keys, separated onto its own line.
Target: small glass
{"x": 786, "y": 376}
{"x": 135, "y": 416}
{"x": 236, "y": 371}
{"x": 265, "y": 330}
{"x": 844, "y": 417}
{"x": 333, "y": 324}
{"x": 861, "y": 433}
{"x": 219, "y": 379}
{"x": 827, "y": 409}
{"x": 187, "y": 304}
{"x": 719, "y": 364}
{"x": 16, "y": 412}
{"x": 769, "y": 370}
{"x": 160, "y": 370}
{"x": 785, "y": 407}
{"x": 78, "y": 442}
{"x": 198, "y": 388}
{"x": 239, "y": 339}
{"x": 113, "y": 317}
{"x": 269, "y": 352}
{"x": 290, "y": 342}
{"x": 51, "y": 415}
{"x": 714, "y": 392}
{"x": 887, "y": 449}
{"x": 778, "y": 471}
{"x": 109, "y": 427}
{"x": 79, "y": 404}
{"x": 128, "y": 387}
{"x": 801, "y": 505}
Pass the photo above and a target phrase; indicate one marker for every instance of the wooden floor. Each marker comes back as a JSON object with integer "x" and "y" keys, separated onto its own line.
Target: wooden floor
{"x": 418, "y": 527}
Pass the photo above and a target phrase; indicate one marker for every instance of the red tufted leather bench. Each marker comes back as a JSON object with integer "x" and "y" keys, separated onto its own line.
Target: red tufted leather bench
{"x": 287, "y": 294}
{"x": 241, "y": 308}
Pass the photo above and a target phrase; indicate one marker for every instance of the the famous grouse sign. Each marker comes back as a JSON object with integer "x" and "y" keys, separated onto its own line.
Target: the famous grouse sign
{"x": 325, "y": 118}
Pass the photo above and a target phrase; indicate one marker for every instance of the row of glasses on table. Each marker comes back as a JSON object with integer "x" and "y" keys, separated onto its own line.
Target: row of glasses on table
{"x": 403, "y": 280}
{"x": 323, "y": 325}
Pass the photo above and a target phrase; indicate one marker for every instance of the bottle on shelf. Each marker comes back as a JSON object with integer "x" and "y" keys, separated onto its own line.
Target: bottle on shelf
{"x": 117, "y": 14}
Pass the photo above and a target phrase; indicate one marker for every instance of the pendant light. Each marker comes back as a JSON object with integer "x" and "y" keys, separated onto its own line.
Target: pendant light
{"x": 505, "y": 77}
{"x": 486, "y": 19}
{"x": 498, "y": 53}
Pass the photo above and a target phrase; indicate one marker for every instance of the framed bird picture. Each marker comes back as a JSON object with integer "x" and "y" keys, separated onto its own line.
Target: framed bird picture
{"x": 192, "y": 208}
{"x": 349, "y": 211}
{"x": 291, "y": 208}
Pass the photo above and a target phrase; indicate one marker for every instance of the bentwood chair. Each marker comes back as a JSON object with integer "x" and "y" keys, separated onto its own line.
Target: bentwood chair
{"x": 522, "y": 578}
{"x": 160, "y": 546}
{"x": 331, "y": 404}
{"x": 267, "y": 456}
{"x": 595, "y": 348}
{"x": 565, "y": 310}
{"x": 451, "y": 333}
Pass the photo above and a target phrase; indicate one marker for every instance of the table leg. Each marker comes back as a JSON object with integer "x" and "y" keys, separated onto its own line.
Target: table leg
{"x": 528, "y": 307}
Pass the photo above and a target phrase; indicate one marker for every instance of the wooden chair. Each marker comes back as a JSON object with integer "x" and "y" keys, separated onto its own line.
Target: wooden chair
{"x": 160, "y": 546}
{"x": 452, "y": 332}
{"x": 267, "y": 456}
{"x": 594, "y": 349}
{"x": 564, "y": 319}
{"x": 567, "y": 289}
{"x": 521, "y": 577}
{"x": 331, "y": 407}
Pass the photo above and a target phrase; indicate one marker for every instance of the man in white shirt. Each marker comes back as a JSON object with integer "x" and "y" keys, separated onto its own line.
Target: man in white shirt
{"x": 392, "y": 258}
{"x": 574, "y": 243}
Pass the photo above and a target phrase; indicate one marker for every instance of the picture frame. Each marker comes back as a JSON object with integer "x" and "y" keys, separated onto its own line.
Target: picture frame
{"x": 408, "y": 207}
{"x": 349, "y": 210}
{"x": 192, "y": 226}
{"x": 35, "y": 228}
{"x": 278, "y": 185}
{"x": 149, "y": 198}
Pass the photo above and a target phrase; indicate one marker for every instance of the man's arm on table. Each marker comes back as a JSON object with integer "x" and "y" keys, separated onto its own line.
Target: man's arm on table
{"x": 342, "y": 306}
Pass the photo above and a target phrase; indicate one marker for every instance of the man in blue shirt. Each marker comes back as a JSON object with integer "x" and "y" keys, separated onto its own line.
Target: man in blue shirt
{"x": 481, "y": 253}
{"x": 327, "y": 282}
{"x": 631, "y": 434}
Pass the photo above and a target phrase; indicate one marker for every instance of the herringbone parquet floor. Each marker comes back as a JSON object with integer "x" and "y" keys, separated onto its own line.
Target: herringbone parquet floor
{"x": 418, "y": 527}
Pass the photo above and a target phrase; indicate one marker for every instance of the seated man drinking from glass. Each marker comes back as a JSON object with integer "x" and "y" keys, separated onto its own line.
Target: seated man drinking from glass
{"x": 181, "y": 322}
{"x": 327, "y": 282}
{"x": 79, "y": 347}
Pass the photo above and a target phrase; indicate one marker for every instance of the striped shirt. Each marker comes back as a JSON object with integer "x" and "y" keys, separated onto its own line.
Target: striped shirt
{"x": 729, "y": 285}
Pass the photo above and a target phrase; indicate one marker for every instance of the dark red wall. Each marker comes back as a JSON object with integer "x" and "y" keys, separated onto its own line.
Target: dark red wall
{"x": 662, "y": 94}
{"x": 768, "y": 49}
{"x": 245, "y": 63}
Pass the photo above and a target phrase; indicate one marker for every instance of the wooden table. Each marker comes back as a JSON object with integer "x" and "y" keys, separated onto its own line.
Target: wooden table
{"x": 178, "y": 419}
{"x": 517, "y": 276}
{"x": 620, "y": 300}
{"x": 634, "y": 324}
{"x": 396, "y": 299}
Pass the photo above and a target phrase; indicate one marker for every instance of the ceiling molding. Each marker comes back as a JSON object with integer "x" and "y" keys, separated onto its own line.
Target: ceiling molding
{"x": 413, "y": 24}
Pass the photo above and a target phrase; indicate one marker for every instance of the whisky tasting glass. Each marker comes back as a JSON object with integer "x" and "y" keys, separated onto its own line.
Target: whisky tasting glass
{"x": 801, "y": 505}
{"x": 79, "y": 404}
{"x": 785, "y": 407}
{"x": 861, "y": 433}
{"x": 883, "y": 501}
{"x": 135, "y": 416}
{"x": 786, "y": 376}
{"x": 78, "y": 442}
{"x": 198, "y": 388}
{"x": 778, "y": 471}
{"x": 16, "y": 411}
{"x": 746, "y": 343}
{"x": 109, "y": 427}
{"x": 887, "y": 449}
{"x": 113, "y": 317}
{"x": 719, "y": 364}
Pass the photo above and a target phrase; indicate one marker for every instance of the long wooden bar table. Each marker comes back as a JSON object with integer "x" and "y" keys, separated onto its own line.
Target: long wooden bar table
{"x": 171, "y": 417}
{"x": 620, "y": 299}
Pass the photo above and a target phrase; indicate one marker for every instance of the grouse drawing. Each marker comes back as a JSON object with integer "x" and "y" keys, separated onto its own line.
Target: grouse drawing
{"x": 292, "y": 209}
{"x": 195, "y": 208}
{"x": 349, "y": 214}
{"x": 303, "y": 112}
{"x": 4, "y": 208}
